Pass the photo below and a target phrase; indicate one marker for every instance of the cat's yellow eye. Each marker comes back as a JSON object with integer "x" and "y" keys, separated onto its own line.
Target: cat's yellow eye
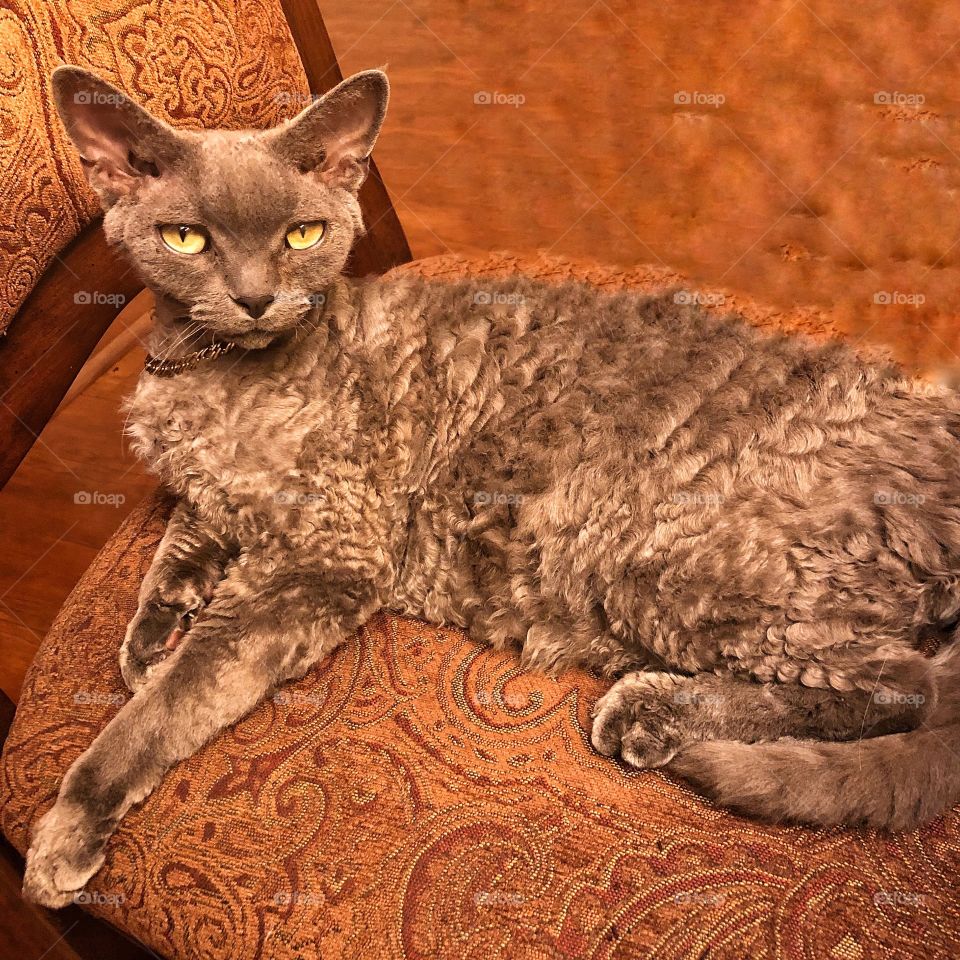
{"x": 184, "y": 239}
{"x": 306, "y": 235}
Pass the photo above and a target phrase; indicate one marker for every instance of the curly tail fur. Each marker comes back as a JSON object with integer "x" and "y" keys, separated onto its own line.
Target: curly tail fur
{"x": 893, "y": 782}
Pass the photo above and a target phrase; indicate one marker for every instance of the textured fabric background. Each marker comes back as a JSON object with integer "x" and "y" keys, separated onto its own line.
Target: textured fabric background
{"x": 419, "y": 796}
{"x": 195, "y": 63}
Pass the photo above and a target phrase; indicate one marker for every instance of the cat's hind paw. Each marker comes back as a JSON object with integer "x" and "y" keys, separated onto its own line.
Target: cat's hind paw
{"x": 636, "y": 718}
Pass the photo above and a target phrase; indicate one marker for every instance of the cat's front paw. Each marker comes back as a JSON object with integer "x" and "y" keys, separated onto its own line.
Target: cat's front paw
{"x": 637, "y": 719}
{"x": 64, "y": 854}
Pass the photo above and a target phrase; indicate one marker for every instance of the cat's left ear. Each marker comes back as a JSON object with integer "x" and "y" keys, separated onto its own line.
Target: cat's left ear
{"x": 120, "y": 143}
{"x": 335, "y": 135}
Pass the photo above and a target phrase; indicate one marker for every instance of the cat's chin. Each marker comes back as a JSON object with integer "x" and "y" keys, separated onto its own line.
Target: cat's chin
{"x": 254, "y": 339}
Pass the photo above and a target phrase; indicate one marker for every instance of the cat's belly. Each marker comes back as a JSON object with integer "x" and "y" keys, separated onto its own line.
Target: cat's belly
{"x": 478, "y": 570}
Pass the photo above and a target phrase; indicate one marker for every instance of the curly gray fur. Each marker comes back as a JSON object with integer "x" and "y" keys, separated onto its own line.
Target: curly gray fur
{"x": 748, "y": 534}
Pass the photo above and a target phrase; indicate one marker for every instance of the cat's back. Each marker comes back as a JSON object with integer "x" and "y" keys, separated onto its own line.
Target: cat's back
{"x": 643, "y": 366}
{"x": 559, "y": 379}
{"x": 617, "y": 341}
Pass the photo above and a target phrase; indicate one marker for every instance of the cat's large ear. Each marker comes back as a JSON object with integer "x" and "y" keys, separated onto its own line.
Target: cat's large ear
{"x": 119, "y": 142}
{"x": 335, "y": 135}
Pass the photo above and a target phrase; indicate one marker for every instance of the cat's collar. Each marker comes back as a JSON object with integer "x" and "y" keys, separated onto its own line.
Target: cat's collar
{"x": 170, "y": 367}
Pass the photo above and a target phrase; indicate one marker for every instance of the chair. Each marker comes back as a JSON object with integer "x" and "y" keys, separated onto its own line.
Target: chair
{"x": 415, "y": 795}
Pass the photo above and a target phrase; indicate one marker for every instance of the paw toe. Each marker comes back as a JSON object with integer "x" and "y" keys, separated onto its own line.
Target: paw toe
{"x": 641, "y": 749}
{"x": 61, "y": 859}
{"x": 604, "y": 738}
{"x": 43, "y": 884}
{"x": 609, "y": 723}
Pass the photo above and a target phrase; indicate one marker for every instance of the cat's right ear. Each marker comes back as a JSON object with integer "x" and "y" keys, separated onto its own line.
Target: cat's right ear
{"x": 335, "y": 135}
{"x": 119, "y": 142}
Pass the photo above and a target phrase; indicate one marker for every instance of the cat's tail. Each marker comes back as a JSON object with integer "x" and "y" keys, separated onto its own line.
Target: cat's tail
{"x": 892, "y": 782}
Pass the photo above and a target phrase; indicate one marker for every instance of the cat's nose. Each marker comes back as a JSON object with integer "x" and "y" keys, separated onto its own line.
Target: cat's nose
{"x": 255, "y": 306}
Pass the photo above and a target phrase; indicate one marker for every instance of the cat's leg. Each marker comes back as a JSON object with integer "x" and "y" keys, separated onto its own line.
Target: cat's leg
{"x": 647, "y": 717}
{"x": 255, "y": 633}
{"x": 189, "y": 563}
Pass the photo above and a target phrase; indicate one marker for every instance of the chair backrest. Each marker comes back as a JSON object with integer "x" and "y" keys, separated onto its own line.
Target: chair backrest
{"x": 246, "y": 64}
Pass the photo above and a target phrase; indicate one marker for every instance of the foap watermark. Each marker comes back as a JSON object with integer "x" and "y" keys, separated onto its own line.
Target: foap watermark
{"x": 901, "y": 699}
{"x": 299, "y": 697}
{"x": 498, "y": 298}
{"x": 898, "y": 298}
{"x": 286, "y": 897}
{"x": 99, "y": 697}
{"x": 699, "y": 898}
{"x": 897, "y": 898}
{"x": 896, "y": 98}
{"x": 98, "y": 98}
{"x": 699, "y": 298}
{"x": 700, "y": 498}
{"x": 495, "y": 98}
{"x": 297, "y": 97}
{"x": 698, "y": 98}
{"x": 98, "y": 298}
{"x": 96, "y": 498}
{"x": 897, "y": 498}
{"x": 512, "y": 700}
{"x": 298, "y": 498}
{"x": 311, "y": 299}
{"x": 495, "y": 898}
{"x": 694, "y": 698}
{"x": 496, "y": 498}
{"x": 87, "y": 897}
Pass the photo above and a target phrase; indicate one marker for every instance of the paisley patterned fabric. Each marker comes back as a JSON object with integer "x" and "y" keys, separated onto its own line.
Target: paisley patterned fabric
{"x": 420, "y": 796}
{"x": 195, "y": 63}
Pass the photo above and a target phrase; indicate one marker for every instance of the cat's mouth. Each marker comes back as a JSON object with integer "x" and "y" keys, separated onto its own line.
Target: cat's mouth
{"x": 252, "y": 339}
{"x": 253, "y": 333}
{"x": 258, "y": 336}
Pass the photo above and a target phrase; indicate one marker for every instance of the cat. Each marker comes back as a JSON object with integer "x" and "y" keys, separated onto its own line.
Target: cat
{"x": 748, "y": 534}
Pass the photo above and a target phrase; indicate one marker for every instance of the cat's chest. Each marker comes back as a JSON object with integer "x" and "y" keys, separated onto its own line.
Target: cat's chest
{"x": 245, "y": 450}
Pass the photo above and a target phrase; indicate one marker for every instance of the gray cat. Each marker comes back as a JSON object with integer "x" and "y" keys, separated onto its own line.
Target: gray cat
{"x": 749, "y": 534}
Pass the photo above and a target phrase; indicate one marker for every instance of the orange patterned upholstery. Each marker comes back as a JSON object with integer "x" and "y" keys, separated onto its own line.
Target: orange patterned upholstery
{"x": 193, "y": 62}
{"x": 420, "y": 796}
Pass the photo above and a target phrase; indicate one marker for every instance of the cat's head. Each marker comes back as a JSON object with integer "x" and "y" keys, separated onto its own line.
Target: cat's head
{"x": 242, "y": 230}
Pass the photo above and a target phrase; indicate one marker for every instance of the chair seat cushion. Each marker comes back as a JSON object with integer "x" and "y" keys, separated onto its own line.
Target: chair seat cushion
{"x": 418, "y": 795}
